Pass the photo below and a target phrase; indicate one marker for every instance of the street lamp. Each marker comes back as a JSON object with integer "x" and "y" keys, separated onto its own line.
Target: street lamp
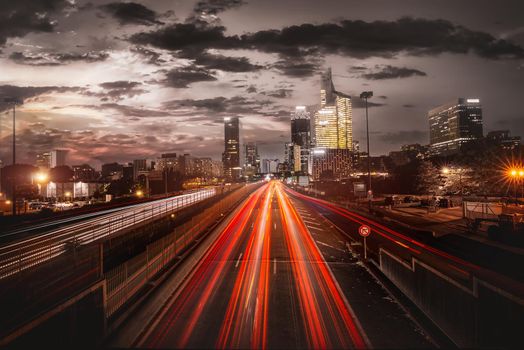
{"x": 365, "y": 95}
{"x": 13, "y": 102}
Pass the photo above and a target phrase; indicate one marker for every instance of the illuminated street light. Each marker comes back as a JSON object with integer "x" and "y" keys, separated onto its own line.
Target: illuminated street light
{"x": 445, "y": 170}
{"x": 139, "y": 193}
{"x": 41, "y": 177}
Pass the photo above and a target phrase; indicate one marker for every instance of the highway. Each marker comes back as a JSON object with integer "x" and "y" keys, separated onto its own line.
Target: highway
{"x": 27, "y": 252}
{"x": 268, "y": 282}
{"x": 459, "y": 258}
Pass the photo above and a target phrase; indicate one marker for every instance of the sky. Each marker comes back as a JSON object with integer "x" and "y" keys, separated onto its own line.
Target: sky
{"x": 122, "y": 80}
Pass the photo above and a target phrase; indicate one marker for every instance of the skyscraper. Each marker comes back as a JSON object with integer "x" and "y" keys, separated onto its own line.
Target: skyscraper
{"x": 252, "y": 159}
{"x": 43, "y": 160}
{"x": 231, "y": 155}
{"x": 453, "y": 124}
{"x": 139, "y": 165}
{"x": 58, "y": 157}
{"x": 333, "y": 121}
{"x": 301, "y": 140}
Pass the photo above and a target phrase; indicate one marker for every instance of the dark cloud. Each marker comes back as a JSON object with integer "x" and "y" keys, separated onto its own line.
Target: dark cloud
{"x": 20, "y": 17}
{"x": 251, "y": 89}
{"x": 56, "y": 59}
{"x": 353, "y": 38}
{"x": 151, "y": 56}
{"x": 408, "y": 105}
{"x": 26, "y": 93}
{"x": 116, "y": 90}
{"x": 130, "y": 111}
{"x": 205, "y": 12}
{"x": 405, "y": 136}
{"x": 391, "y": 72}
{"x": 183, "y": 77}
{"x": 300, "y": 69}
{"x": 131, "y": 13}
{"x": 182, "y": 36}
{"x": 225, "y": 63}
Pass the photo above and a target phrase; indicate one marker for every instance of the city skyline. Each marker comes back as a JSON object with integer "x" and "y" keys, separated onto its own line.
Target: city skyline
{"x": 143, "y": 91}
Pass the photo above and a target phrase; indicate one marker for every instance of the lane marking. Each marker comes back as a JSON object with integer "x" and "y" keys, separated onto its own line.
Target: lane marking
{"x": 275, "y": 226}
{"x": 316, "y": 228}
{"x": 238, "y": 260}
{"x": 274, "y": 266}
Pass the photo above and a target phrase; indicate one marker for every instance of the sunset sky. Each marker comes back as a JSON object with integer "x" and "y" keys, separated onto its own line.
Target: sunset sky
{"x": 116, "y": 81}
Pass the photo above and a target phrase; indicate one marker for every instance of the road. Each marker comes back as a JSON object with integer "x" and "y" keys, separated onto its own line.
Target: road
{"x": 457, "y": 256}
{"x": 268, "y": 282}
{"x": 25, "y": 253}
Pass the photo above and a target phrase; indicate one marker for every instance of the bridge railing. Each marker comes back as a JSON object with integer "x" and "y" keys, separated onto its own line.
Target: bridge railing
{"x": 33, "y": 251}
{"x": 124, "y": 281}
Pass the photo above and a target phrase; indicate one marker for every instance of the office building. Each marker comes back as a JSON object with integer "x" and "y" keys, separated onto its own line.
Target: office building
{"x": 58, "y": 157}
{"x": 454, "y": 124}
{"x": 333, "y": 121}
{"x": 43, "y": 160}
{"x": 251, "y": 159}
{"x": 332, "y": 163}
{"x": 504, "y": 139}
{"x": 84, "y": 173}
{"x": 138, "y": 166}
{"x": 300, "y": 161}
{"x": 231, "y": 155}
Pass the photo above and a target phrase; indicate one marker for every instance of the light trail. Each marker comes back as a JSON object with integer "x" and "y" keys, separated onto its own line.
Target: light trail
{"x": 318, "y": 291}
{"x": 18, "y": 256}
{"x": 204, "y": 279}
{"x": 251, "y": 289}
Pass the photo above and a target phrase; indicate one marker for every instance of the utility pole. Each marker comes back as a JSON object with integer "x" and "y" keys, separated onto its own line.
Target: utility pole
{"x": 13, "y": 101}
{"x": 365, "y": 95}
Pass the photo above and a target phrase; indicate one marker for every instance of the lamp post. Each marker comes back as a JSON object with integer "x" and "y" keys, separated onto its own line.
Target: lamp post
{"x": 365, "y": 95}
{"x": 13, "y": 102}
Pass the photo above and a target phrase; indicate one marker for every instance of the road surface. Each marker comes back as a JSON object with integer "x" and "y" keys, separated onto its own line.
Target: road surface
{"x": 268, "y": 282}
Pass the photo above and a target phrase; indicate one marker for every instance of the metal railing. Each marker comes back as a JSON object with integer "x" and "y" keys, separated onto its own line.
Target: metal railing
{"x": 124, "y": 281}
{"x": 30, "y": 252}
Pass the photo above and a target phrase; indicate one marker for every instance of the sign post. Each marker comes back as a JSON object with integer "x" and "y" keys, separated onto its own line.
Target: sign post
{"x": 364, "y": 231}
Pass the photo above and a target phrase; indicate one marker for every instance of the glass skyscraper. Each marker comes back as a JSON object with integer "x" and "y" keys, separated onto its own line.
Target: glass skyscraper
{"x": 231, "y": 155}
{"x": 333, "y": 121}
{"x": 453, "y": 124}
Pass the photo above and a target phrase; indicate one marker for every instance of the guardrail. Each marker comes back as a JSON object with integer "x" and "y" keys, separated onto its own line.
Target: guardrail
{"x": 124, "y": 281}
{"x": 33, "y": 251}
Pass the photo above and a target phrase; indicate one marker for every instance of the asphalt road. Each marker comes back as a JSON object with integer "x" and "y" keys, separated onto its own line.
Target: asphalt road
{"x": 270, "y": 281}
{"x": 458, "y": 257}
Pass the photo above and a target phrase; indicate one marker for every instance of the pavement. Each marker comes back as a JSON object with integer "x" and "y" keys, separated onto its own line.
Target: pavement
{"x": 276, "y": 275}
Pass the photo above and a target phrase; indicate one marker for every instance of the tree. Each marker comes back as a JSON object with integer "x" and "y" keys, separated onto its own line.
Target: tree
{"x": 428, "y": 178}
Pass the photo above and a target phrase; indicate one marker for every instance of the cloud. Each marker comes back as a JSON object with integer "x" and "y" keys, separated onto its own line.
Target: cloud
{"x": 354, "y": 38}
{"x": 56, "y": 59}
{"x": 357, "y": 102}
{"x": 20, "y": 17}
{"x": 280, "y": 93}
{"x": 391, "y": 72}
{"x": 297, "y": 69}
{"x": 205, "y": 12}
{"x": 131, "y": 13}
{"x": 401, "y": 136}
{"x": 408, "y": 105}
{"x": 228, "y": 64}
{"x": 26, "y": 93}
{"x": 116, "y": 90}
{"x": 183, "y": 77}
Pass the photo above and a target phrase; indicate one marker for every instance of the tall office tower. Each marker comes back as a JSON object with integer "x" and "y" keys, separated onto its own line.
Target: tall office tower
{"x": 453, "y": 124}
{"x": 333, "y": 121}
{"x": 139, "y": 165}
{"x": 43, "y": 160}
{"x": 231, "y": 155}
{"x": 301, "y": 139}
{"x": 168, "y": 161}
{"x": 252, "y": 159}
{"x": 58, "y": 157}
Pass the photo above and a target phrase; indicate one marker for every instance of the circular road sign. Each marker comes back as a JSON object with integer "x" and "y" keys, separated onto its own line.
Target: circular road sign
{"x": 364, "y": 230}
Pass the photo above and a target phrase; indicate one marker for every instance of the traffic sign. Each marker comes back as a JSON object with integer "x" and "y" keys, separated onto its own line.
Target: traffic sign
{"x": 364, "y": 230}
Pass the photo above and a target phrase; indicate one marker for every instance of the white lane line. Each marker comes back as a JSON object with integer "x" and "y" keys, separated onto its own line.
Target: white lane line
{"x": 238, "y": 260}
{"x": 315, "y": 228}
{"x": 274, "y": 226}
{"x": 274, "y": 266}
{"x": 311, "y": 222}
